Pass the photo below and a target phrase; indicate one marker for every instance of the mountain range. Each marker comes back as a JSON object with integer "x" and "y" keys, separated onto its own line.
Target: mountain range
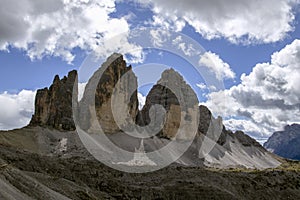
{"x": 53, "y": 109}
{"x": 49, "y": 159}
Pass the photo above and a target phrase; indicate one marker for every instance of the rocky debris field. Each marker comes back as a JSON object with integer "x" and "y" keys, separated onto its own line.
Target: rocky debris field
{"x": 26, "y": 175}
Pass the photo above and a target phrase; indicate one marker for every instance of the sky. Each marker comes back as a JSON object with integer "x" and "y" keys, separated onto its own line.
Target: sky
{"x": 251, "y": 49}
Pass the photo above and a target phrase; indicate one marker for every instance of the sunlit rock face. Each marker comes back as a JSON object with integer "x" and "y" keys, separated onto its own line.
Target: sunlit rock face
{"x": 110, "y": 94}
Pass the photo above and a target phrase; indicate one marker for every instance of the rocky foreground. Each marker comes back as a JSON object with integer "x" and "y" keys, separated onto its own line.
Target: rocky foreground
{"x": 33, "y": 174}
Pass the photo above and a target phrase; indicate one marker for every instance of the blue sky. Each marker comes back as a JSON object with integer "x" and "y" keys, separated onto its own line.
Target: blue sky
{"x": 38, "y": 73}
{"x": 44, "y": 40}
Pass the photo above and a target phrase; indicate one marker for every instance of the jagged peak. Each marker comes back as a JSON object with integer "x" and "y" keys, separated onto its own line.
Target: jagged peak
{"x": 71, "y": 76}
{"x": 56, "y": 79}
{"x": 114, "y": 58}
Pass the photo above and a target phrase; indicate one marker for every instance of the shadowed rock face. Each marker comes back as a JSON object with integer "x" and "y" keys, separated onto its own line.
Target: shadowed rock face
{"x": 285, "y": 143}
{"x": 53, "y": 106}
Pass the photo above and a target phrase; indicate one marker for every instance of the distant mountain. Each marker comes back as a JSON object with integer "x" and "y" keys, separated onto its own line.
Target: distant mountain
{"x": 286, "y": 143}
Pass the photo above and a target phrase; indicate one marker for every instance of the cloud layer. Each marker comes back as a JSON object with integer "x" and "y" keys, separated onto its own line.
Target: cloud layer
{"x": 16, "y": 109}
{"x": 57, "y": 27}
{"x": 266, "y": 99}
{"x": 236, "y": 20}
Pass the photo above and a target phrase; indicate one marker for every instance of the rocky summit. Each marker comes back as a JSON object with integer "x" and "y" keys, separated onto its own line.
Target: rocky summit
{"x": 47, "y": 159}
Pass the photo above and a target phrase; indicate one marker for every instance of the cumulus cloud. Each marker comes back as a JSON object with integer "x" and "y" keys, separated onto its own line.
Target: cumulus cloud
{"x": 216, "y": 65}
{"x": 16, "y": 109}
{"x": 239, "y": 21}
{"x": 267, "y": 99}
{"x": 57, "y": 27}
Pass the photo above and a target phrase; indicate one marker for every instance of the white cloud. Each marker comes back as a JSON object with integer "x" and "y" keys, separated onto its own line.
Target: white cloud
{"x": 159, "y": 37}
{"x": 187, "y": 49}
{"x": 236, "y": 20}
{"x": 170, "y": 22}
{"x": 56, "y": 27}
{"x": 216, "y": 65}
{"x": 202, "y": 86}
{"x": 241, "y": 124}
{"x": 142, "y": 100}
{"x": 268, "y": 98}
{"x": 16, "y": 109}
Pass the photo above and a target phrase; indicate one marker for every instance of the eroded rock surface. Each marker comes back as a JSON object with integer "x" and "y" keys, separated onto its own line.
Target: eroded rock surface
{"x": 53, "y": 105}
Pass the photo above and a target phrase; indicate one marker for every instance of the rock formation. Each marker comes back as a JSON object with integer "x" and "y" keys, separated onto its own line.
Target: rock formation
{"x": 168, "y": 92}
{"x": 285, "y": 143}
{"x": 53, "y": 106}
{"x": 112, "y": 84}
{"x": 171, "y": 113}
{"x": 179, "y": 101}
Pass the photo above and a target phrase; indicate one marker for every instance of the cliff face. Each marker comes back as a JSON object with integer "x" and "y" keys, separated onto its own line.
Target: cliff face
{"x": 53, "y": 106}
{"x": 112, "y": 84}
{"x": 179, "y": 101}
{"x": 168, "y": 92}
{"x": 285, "y": 143}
